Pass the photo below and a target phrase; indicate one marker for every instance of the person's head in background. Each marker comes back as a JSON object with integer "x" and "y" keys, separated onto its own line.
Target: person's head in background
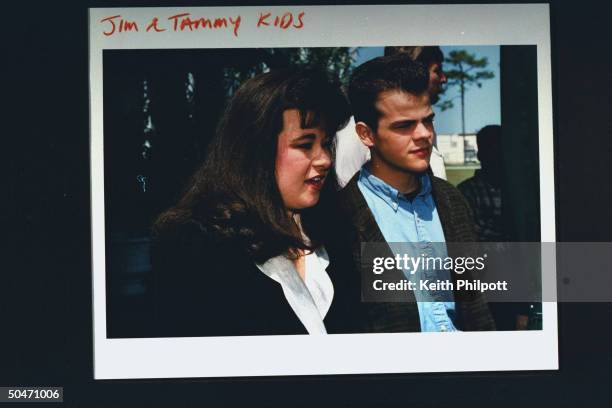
{"x": 489, "y": 142}
{"x": 432, "y": 58}
{"x": 393, "y": 117}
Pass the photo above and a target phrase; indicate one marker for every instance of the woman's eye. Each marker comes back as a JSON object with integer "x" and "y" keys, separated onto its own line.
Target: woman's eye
{"x": 304, "y": 146}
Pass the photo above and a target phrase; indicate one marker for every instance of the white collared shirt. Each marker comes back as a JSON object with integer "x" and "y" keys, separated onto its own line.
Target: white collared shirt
{"x": 310, "y": 298}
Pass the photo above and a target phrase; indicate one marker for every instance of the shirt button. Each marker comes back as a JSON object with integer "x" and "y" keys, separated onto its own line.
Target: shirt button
{"x": 442, "y": 328}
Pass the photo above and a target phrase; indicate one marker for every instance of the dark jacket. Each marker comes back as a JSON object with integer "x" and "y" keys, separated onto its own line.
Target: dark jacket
{"x": 204, "y": 285}
{"x": 472, "y": 311}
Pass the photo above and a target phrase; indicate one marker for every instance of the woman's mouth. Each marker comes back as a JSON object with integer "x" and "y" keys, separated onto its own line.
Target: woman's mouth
{"x": 315, "y": 182}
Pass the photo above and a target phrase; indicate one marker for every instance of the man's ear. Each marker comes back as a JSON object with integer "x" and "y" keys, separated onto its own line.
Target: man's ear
{"x": 365, "y": 133}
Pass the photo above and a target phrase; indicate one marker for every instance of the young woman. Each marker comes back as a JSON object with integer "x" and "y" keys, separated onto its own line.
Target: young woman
{"x": 243, "y": 252}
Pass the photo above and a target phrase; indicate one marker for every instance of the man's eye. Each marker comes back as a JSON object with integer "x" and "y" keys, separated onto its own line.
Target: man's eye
{"x": 405, "y": 125}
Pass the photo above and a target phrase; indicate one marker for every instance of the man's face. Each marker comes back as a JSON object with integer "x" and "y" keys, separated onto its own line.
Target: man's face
{"x": 404, "y": 137}
{"x": 437, "y": 79}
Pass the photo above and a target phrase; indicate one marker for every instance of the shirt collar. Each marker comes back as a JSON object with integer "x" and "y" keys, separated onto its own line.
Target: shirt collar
{"x": 389, "y": 194}
{"x": 309, "y": 299}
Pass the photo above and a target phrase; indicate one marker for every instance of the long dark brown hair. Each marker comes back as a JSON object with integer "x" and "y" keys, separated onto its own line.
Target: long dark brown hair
{"x": 234, "y": 194}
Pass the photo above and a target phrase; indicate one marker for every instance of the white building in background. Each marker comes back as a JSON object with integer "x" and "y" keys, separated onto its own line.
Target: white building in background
{"x": 458, "y": 150}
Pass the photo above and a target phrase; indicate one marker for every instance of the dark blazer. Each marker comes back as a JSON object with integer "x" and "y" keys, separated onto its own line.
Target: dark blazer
{"x": 203, "y": 285}
{"x": 472, "y": 311}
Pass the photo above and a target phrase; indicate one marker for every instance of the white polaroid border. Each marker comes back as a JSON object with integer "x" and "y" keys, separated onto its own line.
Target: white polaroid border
{"x": 524, "y": 24}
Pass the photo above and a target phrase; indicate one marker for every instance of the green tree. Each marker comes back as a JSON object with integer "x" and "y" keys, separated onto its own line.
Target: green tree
{"x": 465, "y": 71}
{"x": 336, "y": 62}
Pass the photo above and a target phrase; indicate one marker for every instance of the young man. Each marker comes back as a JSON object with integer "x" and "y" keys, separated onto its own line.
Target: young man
{"x": 351, "y": 154}
{"x": 393, "y": 198}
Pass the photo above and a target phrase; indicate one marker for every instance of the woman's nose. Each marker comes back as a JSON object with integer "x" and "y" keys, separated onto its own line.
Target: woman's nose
{"x": 323, "y": 159}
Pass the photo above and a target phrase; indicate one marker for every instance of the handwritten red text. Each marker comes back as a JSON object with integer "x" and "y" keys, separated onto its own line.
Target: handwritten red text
{"x": 181, "y": 22}
{"x": 154, "y": 25}
{"x": 285, "y": 21}
{"x": 124, "y": 25}
{"x": 185, "y": 21}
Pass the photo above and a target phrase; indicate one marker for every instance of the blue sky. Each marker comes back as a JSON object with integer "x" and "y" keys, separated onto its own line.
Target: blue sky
{"x": 482, "y": 104}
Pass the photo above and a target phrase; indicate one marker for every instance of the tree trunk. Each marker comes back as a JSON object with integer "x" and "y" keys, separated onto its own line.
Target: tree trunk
{"x": 462, "y": 108}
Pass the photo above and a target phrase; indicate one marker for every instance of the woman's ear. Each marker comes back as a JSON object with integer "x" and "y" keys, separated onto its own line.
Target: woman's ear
{"x": 365, "y": 133}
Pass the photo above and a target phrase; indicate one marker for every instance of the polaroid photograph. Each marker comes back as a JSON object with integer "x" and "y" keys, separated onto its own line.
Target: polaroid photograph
{"x": 322, "y": 190}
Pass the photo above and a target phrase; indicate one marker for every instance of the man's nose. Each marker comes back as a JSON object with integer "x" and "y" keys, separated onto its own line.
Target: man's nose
{"x": 443, "y": 78}
{"x": 423, "y": 131}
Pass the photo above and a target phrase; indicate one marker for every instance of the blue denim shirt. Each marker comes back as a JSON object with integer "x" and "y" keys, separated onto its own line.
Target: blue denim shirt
{"x": 414, "y": 221}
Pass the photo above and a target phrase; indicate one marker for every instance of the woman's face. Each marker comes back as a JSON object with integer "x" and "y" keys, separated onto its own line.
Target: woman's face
{"x": 302, "y": 162}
